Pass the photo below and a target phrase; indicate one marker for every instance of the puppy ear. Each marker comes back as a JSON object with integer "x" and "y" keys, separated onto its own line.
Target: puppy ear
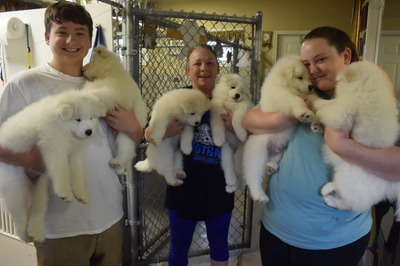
{"x": 188, "y": 106}
{"x": 348, "y": 74}
{"x": 97, "y": 49}
{"x": 287, "y": 73}
{"x": 65, "y": 110}
{"x": 224, "y": 78}
{"x": 99, "y": 109}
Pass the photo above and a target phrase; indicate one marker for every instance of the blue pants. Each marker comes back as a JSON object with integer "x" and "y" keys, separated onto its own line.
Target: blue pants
{"x": 182, "y": 234}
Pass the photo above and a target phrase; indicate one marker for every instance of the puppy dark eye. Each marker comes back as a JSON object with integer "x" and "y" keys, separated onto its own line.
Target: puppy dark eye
{"x": 78, "y": 120}
{"x": 192, "y": 113}
{"x": 300, "y": 78}
{"x": 233, "y": 87}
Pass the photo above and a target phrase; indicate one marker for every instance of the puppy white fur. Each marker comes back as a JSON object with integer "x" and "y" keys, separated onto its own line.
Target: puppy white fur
{"x": 280, "y": 92}
{"x": 60, "y": 125}
{"x": 115, "y": 87}
{"x": 233, "y": 93}
{"x": 163, "y": 155}
{"x": 365, "y": 106}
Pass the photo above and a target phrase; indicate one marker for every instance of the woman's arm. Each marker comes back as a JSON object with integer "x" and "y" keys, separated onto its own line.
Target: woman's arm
{"x": 384, "y": 163}
{"x": 259, "y": 122}
{"x": 174, "y": 128}
{"x": 125, "y": 121}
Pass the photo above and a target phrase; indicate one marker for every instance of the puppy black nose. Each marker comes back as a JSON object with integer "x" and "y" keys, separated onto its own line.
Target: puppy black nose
{"x": 88, "y": 132}
{"x": 237, "y": 96}
{"x": 311, "y": 88}
{"x": 196, "y": 123}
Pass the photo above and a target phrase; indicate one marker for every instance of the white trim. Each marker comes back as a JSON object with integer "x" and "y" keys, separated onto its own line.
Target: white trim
{"x": 373, "y": 32}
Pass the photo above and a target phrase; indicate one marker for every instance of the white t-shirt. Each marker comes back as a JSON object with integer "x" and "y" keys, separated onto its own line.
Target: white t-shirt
{"x": 67, "y": 219}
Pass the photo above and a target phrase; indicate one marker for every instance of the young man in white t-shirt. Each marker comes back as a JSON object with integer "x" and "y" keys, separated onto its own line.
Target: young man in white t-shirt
{"x": 76, "y": 234}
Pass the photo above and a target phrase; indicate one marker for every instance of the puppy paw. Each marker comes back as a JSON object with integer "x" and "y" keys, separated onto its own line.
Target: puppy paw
{"x": 117, "y": 164}
{"x": 330, "y": 196}
{"x": 332, "y": 201}
{"x": 81, "y": 196}
{"x": 35, "y": 230}
{"x": 262, "y": 198}
{"x": 329, "y": 189}
{"x": 270, "y": 168}
{"x": 219, "y": 140}
{"x": 306, "y": 116}
{"x": 180, "y": 174}
{"x": 257, "y": 193}
{"x": 186, "y": 149}
{"x": 317, "y": 127}
{"x": 64, "y": 193}
{"x": 231, "y": 188}
{"x": 241, "y": 134}
{"x": 173, "y": 181}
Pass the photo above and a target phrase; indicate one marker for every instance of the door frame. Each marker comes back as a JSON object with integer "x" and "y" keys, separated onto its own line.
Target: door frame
{"x": 373, "y": 31}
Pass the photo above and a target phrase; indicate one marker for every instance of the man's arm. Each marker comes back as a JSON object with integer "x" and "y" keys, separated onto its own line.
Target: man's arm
{"x": 125, "y": 121}
{"x": 32, "y": 159}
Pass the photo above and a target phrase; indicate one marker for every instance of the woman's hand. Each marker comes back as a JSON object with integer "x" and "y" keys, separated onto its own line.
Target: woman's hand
{"x": 227, "y": 118}
{"x": 125, "y": 121}
{"x": 174, "y": 128}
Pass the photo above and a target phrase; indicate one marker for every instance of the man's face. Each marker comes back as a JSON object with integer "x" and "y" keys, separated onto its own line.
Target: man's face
{"x": 69, "y": 42}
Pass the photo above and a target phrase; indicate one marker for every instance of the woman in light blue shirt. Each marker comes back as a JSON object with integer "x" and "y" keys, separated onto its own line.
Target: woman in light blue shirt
{"x": 298, "y": 228}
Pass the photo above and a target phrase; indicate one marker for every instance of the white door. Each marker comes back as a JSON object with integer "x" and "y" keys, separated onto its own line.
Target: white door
{"x": 287, "y": 42}
{"x": 389, "y": 57}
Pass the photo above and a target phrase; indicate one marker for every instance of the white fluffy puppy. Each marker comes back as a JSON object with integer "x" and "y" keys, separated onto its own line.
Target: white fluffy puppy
{"x": 365, "y": 106}
{"x": 280, "y": 92}
{"x": 233, "y": 93}
{"x": 115, "y": 87}
{"x": 163, "y": 155}
{"x": 60, "y": 125}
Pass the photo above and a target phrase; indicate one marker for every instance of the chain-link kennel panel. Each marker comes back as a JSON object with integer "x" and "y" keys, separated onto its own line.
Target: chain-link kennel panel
{"x": 161, "y": 40}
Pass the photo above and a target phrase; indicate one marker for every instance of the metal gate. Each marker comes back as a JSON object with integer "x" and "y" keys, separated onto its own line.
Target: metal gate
{"x": 155, "y": 45}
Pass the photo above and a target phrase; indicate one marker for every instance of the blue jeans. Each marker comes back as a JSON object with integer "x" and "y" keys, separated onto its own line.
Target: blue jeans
{"x": 182, "y": 234}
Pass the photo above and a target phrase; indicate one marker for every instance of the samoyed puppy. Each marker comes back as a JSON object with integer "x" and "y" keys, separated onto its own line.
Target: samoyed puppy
{"x": 114, "y": 86}
{"x": 281, "y": 92}
{"x": 233, "y": 93}
{"x": 60, "y": 125}
{"x": 365, "y": 106}
{"x": 164, "y": 155}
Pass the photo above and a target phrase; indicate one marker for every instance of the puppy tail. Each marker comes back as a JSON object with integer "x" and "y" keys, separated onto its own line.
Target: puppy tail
{"x": 143, "y": 166}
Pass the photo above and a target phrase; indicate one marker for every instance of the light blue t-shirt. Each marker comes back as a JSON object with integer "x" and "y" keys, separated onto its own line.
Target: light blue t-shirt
{"x": 296, "y": 212}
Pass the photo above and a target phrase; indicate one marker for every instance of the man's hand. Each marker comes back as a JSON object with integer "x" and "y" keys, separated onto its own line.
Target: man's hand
{"x": 125, "y": 121}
